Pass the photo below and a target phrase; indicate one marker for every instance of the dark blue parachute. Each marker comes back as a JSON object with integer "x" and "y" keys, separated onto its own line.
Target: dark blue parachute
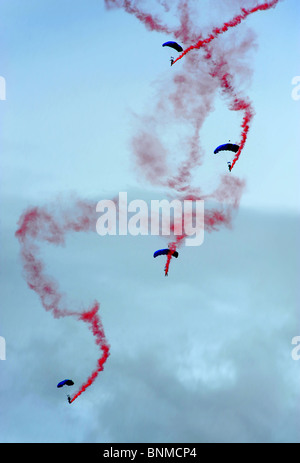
{"x": 174, "y": 45}
{"x": 227, "y": 147}
{"x": 67, "y": 382}
{"x": 165, "y": 252}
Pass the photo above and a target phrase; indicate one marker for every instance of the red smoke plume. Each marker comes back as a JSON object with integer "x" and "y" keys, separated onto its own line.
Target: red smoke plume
{"x": 186, "y": 100}
{"x": 44, "y": 225}
{"x": 233, "y": 23}
{"x": 189, "y": 98}
{"x": 236, "y": 104}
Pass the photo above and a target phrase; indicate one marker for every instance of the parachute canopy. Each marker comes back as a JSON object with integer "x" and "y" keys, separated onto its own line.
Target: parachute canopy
{"x": 67, "y": 382}
{"x": 174, "y": 45}
{"x": 165, "y": 252}
{"x": 227, "y": 147}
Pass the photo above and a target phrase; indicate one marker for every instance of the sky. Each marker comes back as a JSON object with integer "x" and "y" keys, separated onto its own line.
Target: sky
{"x": 205, "y": 354}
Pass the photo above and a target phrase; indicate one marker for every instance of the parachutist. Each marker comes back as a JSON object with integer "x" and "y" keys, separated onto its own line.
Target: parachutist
{"x": 229, "y": 166}
{"x": 172, "y": 60}
{"x": 69, "y": 399}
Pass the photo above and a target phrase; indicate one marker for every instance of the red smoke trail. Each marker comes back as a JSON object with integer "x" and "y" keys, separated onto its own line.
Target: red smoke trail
{"x": 43, "y": 225}
{"x": 233, "y": 23}
{"x": 152, "y": 22}
{"x": 185, "y": 33}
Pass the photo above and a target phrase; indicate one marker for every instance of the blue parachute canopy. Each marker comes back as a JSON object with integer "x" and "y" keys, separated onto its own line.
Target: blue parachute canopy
{"x": 67, "y": 382}
{"x": 174, "y": 45}
{"x": 227, "y": 147}
{"x": 165, "y": 252}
